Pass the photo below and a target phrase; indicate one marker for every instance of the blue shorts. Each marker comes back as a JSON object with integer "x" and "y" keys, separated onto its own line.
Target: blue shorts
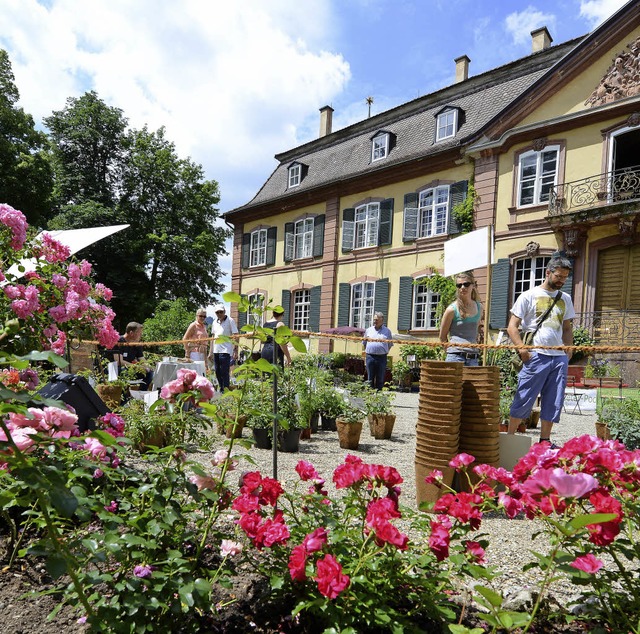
{"x": 543, "y": 375}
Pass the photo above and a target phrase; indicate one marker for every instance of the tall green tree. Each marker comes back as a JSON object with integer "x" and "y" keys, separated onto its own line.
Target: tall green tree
{"x": 26, "y": 178}
{"x": 107, "y": 175}
{"x": 89, "y": 150}
{"x": 174, "y": 206}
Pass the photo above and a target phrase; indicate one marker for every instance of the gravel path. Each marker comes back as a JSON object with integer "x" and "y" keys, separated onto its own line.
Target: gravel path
{"x": 510, "y": 540}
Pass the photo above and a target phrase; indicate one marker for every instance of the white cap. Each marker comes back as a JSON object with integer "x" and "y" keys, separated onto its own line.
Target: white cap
{"x": 218, "y": 307}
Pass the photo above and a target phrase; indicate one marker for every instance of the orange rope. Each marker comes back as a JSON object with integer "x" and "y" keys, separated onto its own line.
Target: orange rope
{"x": 360, "y": 339}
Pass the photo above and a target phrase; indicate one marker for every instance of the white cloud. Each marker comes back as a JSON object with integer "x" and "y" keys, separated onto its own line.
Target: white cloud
{"x": 520, "y": 24}
{"x": 597, "y": 11}
{"x": 231, "y": 82}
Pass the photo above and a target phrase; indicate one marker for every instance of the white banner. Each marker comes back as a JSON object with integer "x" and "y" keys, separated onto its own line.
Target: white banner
{"x": 580, "y": 400}
{"x": 470, "y": 251}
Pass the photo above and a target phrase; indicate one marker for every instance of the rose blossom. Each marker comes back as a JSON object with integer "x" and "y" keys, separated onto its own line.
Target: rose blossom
{"x": 572, "y": 485}
{"x": 331, "y": 581}
{"x": 230, "y": 548}
{"x": 587, "y": 563}
{"x": 315, "y": 541}
{"x": 297, "y": 563}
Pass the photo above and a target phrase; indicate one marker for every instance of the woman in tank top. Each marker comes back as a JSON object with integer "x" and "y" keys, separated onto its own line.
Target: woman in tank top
{"x": 461, "y": 321}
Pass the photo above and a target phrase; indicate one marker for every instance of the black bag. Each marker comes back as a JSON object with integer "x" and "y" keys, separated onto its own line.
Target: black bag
{"x": 527, "y": 337}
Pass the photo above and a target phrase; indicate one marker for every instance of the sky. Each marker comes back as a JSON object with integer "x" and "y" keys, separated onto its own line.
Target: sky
{"x": 235, "y": 82}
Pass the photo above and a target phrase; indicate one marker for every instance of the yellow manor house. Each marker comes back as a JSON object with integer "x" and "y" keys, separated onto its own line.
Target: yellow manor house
{"x": 546, "y": 149}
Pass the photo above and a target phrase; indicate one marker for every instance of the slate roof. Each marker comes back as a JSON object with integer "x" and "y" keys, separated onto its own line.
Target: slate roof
{"x": 346, "y": 153}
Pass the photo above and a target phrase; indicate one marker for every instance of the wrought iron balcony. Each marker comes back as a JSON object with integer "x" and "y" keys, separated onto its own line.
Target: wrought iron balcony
{"x": 611, "y": 327}
{"x": 610, "y": 188}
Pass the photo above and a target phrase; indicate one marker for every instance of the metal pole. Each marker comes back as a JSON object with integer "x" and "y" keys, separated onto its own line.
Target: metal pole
{"x": 274, "y": 447}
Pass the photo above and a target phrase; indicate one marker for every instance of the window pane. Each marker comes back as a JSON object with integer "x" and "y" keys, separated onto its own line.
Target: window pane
{"x": 528, "y": 272}
{"x": 301, "y": 303}
{"x": 425, "y": 305}
{"x": 433, "y": 212}
{"x": 362, "y": 300}
{"x": 367, "y": 218}
{"x": 258, "y": 251}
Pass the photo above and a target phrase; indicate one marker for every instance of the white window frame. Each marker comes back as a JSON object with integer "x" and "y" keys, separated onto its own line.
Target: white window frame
{"x": 379, "y": 147}
{"x": 366, "y": 226}
{"x": 425, "y": 306}
{"x": 258, "y": 248}
{"x": 538, "y": 178}
{"x": 527, "y": 273}
{"x": 303, "y": 238}
{"x": 256, "y": 317}
{"x": 361, "y": 306}
{"x": 433, "y": 211}
{"x": 295, "y": 175}
{"x": 446, "y": 124}
{"x": 301, "y": 309}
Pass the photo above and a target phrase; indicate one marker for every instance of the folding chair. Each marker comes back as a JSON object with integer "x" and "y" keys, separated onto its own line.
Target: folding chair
{"x": 570, "y": 389}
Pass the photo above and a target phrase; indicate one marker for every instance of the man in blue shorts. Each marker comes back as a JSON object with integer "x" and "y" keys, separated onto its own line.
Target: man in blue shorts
{"x": 544, "y": 372}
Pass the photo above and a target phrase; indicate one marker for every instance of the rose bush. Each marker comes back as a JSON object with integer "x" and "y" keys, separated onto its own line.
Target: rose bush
{"x": 45, "y": 298}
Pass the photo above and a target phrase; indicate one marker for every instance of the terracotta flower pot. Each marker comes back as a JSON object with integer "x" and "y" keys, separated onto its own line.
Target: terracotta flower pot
{"x": 602, "y": 431}
{"x": 110, "y": 394}
{"x": 348, "y": 433}
{"x": 381, "y": 425}
{"x": 233, "y": 428}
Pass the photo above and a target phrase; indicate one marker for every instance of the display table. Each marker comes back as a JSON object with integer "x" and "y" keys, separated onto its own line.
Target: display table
{"x": 168, "y": 371}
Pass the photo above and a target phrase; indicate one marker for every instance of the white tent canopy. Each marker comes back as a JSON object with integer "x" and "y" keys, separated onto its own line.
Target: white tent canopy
{"x": 75, "y": 239}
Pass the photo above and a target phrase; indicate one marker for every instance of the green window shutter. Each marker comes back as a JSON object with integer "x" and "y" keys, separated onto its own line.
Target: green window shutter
{"x": 242, "y": 316}
{"x": 246, "y": 250}
{"x": 289, "y": 228}
{"x": 405, "y": 302}
{"x": 410, "y": 217}
{"x": 344, "y": 303}
{"x": 315, "y": 295}
{"x": 318, "y": 236}
{"x": 568, "y": 285}
{"x": 499, "y": 294}
{"x": 272, "y": 233}
{"x": 381, "y": 299}
{"x": 457, "y": 195}
{"x": 286, "y": 304}
{"x": 348, "y": 229}
{"x": 386, "y": 222}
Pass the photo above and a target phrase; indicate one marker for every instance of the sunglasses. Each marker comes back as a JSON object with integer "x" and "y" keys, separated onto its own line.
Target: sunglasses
{"x": 201, "y": 316}
{"x": 465, "y": 284}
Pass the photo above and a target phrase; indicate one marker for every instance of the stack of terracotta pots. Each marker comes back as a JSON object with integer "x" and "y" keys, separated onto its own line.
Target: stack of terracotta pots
{"x": 480, "y": 415}
{"x": 438, "y": 427}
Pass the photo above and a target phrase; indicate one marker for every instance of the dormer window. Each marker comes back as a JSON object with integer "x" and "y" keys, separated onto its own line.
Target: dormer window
{"x": 447, "y": 124}
{"x": 379, "y": 146}
{"x": 295, "y": 175}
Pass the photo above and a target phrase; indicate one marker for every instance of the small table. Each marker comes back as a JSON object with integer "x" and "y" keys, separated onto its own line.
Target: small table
{"x": 168, "y": 370}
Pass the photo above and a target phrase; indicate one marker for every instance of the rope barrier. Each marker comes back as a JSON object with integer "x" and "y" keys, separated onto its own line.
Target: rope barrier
{"x": 360, "y": 339}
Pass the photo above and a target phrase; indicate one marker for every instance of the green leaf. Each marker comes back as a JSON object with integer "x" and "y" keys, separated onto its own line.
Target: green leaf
{"x": 298, "y": 344}
{"x": 63, "y": 501}
{"x": 461, "y": 629}
{"x": 277, "y": 582}
{"x": 186, "y": 594}
{"x": 494, "y": 598}
{"x": 202, "y": 586}
{"x": 56, "y": 565}
{"x": 580, "y": 521}
{"x": 230, "y": 297}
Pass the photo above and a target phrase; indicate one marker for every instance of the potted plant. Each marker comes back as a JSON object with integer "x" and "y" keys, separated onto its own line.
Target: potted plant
{"x": 401, "y": 373}
{"x": 333, "y": 405}
{"x": 377, "y": 406}
{"x": 602, "y": 373}
{"x": 228, "y": 418}
{"x": 349, "y": 426}
{"x": 291, "y": 421}
{"x": 619, "y": 418}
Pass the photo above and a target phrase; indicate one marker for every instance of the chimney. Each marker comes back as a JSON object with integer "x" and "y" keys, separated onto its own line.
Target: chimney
{"x": 540, "y": 39}
{"x": 462, "y": 68}
{"x": 326, "y": 114}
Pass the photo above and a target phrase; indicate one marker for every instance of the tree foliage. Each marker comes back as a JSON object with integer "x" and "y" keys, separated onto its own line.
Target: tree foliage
{"x": 26, "y": 179}
{"x": 107, "y": 174}
{"x": 169, "y": 323}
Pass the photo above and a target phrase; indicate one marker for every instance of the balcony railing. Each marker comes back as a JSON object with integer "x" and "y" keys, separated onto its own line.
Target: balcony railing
{"x": 611, "y": 327}
{"x": 610, "y": 188}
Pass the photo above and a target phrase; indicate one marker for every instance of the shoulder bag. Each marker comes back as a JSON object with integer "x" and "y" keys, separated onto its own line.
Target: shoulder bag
{"x": 527, "y": 337}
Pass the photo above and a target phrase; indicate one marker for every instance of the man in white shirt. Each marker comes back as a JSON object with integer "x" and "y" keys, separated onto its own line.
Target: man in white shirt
{"x": 544, "y": 371}
{"x": 376, "y": 350}
{"x": 223, "y": 352}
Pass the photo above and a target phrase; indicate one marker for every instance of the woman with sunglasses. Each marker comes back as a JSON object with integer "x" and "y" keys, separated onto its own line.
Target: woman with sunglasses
{"x": 197, "y": 350}
{"x": 461, "y": 321}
